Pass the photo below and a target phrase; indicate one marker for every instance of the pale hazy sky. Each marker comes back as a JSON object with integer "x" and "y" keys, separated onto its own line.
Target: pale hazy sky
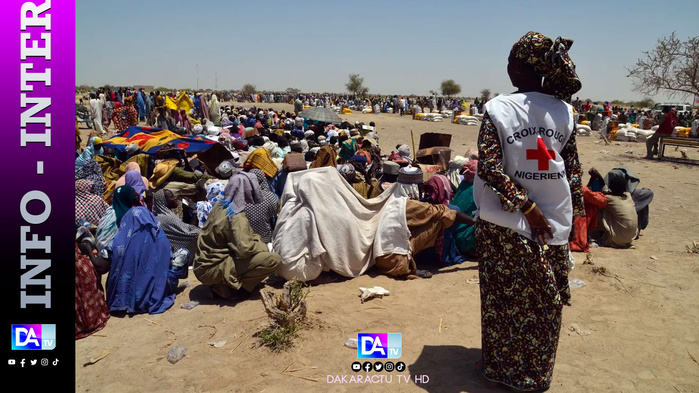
{"x": 398, "y": 47}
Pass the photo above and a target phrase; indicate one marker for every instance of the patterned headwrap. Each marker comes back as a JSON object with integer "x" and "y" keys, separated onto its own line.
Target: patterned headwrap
{"x": 549, "y": 59}
{"x": 261, "y": 159}
{"x": 470, "y": 169}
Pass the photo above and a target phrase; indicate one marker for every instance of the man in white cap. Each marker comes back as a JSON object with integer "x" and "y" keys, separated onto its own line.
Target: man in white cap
{"x": 224, "y": 169}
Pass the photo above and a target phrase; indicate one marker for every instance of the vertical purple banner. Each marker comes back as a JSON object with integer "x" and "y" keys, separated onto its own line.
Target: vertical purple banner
{"x": 38, "y": 104}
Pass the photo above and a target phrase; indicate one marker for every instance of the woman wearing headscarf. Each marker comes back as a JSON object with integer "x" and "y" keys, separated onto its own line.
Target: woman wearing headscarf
{"x": 215, "y": 110}
{"x": 141, "y": 106}
{"x": 135, "y": 181}
{"x": 125, "y": 116}
{"x": 326, "y": 156}
{"x": 527, "y": 190}
{"x": 106, "y": 230}
{"x": 91, "y": 171}
{"x": 262, "y": 160}
{"x": 132, "y": 166}
{"x": 141, "y": 277}
{"x": 107, "y": 112}
{"x": 185, "y": 122}
{"x": 348, "y": 148}
{"x": 405, "y": 153}
{"x": 437, "y": 190}
{"x": 231, "y": 258}
{"x": 367, "y": 186}
{"x": 456, "y": 166}
{"x": 89, "y": 206}
{"x": 263, "y": 213}
{"x": 464, "y": 235}
{"x": 179, "y": 233}
{"x": 91, "y": 312}
{"x": 204, "y": 109}
{"x": 214, "y": 193}
{"x": 93, "y": 148}
{"x": 125, "y": 198}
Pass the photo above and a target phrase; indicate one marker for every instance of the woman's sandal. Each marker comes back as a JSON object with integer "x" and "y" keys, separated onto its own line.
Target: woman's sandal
{"x": 423, "y": 274}
{"x": 481, "y": 373}
{"x": 491, "y": 384}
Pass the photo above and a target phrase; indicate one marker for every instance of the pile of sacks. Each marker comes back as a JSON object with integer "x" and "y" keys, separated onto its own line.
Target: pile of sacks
{"x": 682, "y": 132}
{"x": 466, "y": 120}
{"x": 583, "y": 129}
{"x": 367, "y": 109}
{"x": 429, "y": 116}
{"x": 629, "y": 133}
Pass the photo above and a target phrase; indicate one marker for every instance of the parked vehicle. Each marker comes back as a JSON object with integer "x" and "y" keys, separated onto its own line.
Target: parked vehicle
{"x": 682, "y": 109}
{"x": 82, "y": 114}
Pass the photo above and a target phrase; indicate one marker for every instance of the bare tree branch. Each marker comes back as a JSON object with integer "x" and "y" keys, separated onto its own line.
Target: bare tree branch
{"x": 672, "y": 67}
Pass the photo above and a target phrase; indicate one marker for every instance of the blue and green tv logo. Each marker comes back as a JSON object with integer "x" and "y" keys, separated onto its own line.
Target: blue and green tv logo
{"x": 379, "y": 345}
{"x": 33, "y": 337}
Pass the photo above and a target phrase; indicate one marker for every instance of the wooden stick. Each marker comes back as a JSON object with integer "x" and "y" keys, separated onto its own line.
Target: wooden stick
{"x": 690, "y": 355}
{"x": 153, "y": 322}
{"x": 298, "y": 376}
{"x": 412, "y": 137}
{"x": 647, "y": 283}
{"x": 245, "y": 336}
{"x": 302, "y": 368}
{"x": 440, "y": 324}
{"x": 374, "y": 308}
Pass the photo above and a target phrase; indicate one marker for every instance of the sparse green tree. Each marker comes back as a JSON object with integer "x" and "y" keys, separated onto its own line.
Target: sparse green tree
{"x": 450, "y": 88}
{"x": 249, "y": 89}
{"x": 485, "y": 95}
{"x": 645, "y": 103}
{"x": 356, "y": 85}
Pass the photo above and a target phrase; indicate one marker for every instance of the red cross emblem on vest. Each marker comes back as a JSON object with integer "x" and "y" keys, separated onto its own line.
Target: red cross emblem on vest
{"x": 541, "y": 154}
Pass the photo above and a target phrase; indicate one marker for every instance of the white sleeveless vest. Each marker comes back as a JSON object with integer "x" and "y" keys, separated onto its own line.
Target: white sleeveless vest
{"x": 533, "y": 129}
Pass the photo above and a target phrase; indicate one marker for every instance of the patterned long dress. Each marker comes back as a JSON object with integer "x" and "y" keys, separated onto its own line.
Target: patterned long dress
{"x": 91, "y": 312}
{"x": 524, "y": 285}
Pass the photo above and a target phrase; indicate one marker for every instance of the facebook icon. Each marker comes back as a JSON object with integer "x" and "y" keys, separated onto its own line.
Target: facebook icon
{"x": 379, "y": 345}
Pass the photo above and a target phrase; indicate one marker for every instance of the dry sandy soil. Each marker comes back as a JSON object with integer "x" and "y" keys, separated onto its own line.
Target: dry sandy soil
{"x": 641, "y": 317}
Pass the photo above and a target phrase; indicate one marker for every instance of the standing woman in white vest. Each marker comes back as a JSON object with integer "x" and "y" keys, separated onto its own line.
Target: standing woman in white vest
{"x": 527, "y": 190}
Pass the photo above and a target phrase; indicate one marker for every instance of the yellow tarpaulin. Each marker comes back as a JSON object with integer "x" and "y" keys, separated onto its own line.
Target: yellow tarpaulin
{"x": 181, "y": 102}
{"x": 145, "y": 141}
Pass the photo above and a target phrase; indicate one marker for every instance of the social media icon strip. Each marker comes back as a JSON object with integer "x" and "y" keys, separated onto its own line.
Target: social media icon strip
{"x": 378, "y": 366}
{"x": 356, "y": 367}
{"x": 379, "y": 345}
{"x": 33, "y": 337}
{"x": 389, "y": 366}
{"x": 367, "y": 366}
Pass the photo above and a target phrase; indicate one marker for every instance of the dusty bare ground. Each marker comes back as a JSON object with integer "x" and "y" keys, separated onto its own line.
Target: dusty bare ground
{"x": 641, "y": 316}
